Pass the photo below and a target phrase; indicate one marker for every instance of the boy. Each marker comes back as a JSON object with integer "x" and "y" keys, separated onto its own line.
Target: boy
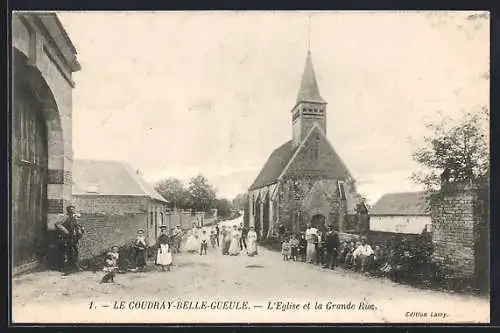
{"x": 203, "y": 242}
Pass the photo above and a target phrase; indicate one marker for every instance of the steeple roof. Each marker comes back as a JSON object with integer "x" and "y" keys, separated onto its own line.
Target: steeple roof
{"x": 309, "y": 91}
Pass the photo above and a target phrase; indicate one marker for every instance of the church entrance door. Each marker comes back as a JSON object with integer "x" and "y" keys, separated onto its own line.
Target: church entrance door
{"x": 318, "y": 221}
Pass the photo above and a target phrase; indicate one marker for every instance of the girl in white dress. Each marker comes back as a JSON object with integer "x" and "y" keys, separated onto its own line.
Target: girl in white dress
{"x": 234, "y": 248}
{"x": 252, "y": 242}
{"x": 192, "y": 243}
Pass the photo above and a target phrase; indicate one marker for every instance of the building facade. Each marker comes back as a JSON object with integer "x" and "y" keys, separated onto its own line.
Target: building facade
{"x": 43, "y": 62}
{"x": 304, "y": 180}
{"x": 114, "y": 188}
{"x": 402, "y": 213}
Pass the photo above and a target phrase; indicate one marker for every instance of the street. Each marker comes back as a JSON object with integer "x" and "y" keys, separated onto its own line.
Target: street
{"x": 50, "y": 297}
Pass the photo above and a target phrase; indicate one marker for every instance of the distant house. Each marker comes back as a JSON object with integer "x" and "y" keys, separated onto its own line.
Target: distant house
{"x": 113, "y": 187}
{"x": 405, "y": 213}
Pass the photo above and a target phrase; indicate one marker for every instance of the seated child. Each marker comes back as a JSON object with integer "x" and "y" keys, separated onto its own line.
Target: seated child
{"x": 110, "y": 265}
{"x": 285, "y": 249}
{"x": 349, "y": 259}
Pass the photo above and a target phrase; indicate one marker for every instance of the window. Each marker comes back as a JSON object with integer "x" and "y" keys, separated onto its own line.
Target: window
{"x": 151, "y": 217}
{"x": 315, "y": 148}
{"x": 341, "y": 190}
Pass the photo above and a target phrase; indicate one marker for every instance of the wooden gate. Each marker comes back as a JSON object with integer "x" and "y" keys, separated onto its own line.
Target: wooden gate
{"x": 29, "y": 176}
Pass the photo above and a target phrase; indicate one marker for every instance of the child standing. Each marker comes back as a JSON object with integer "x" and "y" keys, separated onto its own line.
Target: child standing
{"x": 140, "y": 246}
{"x": 203, "y": 242}
{"x": 110, "y": 265}
{"x": 285, "y": 249}
{"x": 294, "y": 247}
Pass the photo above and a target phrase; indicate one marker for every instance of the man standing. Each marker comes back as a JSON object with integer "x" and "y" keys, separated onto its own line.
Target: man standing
{"x": 177, "y": 235}
{"x": 217, "y": 234}
{"x": 332, "y": 244}
{"x": 244, "y": 233}
{"x": 70, "y": 231}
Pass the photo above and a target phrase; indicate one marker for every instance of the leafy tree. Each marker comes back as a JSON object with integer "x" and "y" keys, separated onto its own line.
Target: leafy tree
{"x": 224, "y": 208}
{"x": 172, "y": 190}
{"x": 239, "y": 201}
{"x": 456, "y": 152}
{"x": 202, "y": 193}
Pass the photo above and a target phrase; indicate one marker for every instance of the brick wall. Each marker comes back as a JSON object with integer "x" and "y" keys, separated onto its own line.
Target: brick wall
{"x": 454, "y": 221}
{"x": 91, "y": 204}
{"x": 103, "y": 231}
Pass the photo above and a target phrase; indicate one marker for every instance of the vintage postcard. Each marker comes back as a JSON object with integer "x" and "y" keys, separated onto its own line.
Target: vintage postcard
{"x": 250, "y": 167}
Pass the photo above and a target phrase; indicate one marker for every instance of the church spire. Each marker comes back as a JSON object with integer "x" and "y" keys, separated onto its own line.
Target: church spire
{"x": 309, "y": 91}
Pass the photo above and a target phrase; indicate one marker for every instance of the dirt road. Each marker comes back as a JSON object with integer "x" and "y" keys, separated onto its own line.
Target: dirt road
{"x": 261, "y": 281}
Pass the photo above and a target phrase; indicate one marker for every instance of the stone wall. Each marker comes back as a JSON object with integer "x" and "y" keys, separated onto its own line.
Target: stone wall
{"x": 48, "y": 59}
{"x": 301, "y": 199}
{"x": 455, "y": 221}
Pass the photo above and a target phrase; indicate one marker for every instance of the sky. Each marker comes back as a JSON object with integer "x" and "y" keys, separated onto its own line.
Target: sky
{"x": 175, "y": 94}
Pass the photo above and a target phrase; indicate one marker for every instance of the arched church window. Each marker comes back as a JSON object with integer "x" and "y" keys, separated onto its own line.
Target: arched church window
{"x": 341, "y": 190}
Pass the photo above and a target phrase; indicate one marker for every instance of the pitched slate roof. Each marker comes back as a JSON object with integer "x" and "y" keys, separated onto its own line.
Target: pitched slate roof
{"x": 97, "y": 177}
{"x": 406, "y": 203}
{"x": 309, "y": 91}
{"x": 274, "y": 165}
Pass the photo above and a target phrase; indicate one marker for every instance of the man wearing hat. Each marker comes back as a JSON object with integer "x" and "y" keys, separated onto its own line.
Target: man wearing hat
{"x": 332, "y": 244}
{"x": 363, "y": 254}
{"x": 70, "y": 233}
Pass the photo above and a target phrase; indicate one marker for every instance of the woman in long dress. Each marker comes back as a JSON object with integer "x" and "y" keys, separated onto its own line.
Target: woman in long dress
{"x": 192, "y": 243}
{"x": 226, "y": 240}
{"x": 163, "y": 253}
{"x": 234, "y": 248}
{"x": 252, "y": 242}
{"x": 312, "y": 238}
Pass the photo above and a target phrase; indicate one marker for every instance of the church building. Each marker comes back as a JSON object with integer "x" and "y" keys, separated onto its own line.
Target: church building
{"x": 304, "y": 180}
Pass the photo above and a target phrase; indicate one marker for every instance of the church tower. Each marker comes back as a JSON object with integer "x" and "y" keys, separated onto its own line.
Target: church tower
{"x": 310, "y": 107}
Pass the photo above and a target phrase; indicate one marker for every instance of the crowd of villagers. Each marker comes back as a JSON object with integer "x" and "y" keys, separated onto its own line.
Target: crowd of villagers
{"x": 401, "y": 259}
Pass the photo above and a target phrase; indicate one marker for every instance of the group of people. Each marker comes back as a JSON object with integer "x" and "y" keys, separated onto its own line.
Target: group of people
{"x": 313, "y": 247}
{"x": 232, "y": 240}
{"x": 324, "y": 248}
{"x": 162, "y": 248}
